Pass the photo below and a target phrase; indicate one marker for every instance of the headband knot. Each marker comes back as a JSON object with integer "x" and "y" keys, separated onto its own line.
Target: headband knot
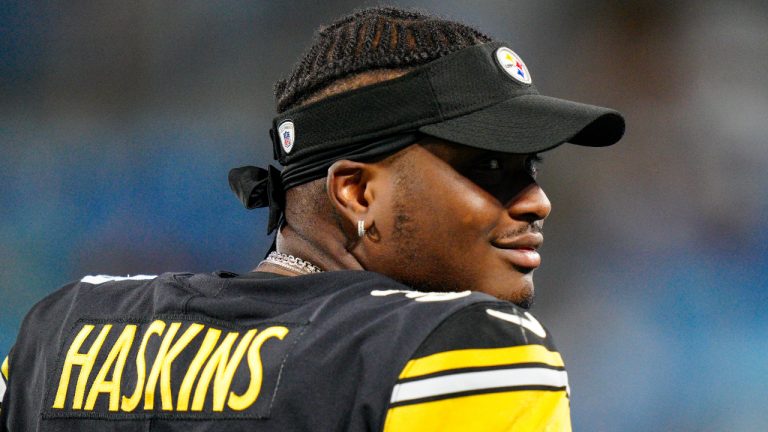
{"x": 259, "y": 187}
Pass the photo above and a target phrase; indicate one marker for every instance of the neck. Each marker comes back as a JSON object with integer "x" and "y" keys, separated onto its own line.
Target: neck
{"x": 325, "y": 249}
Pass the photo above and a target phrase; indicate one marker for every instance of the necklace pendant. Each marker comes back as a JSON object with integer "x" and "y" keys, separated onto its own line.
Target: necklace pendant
{"x": 290, "y": 262}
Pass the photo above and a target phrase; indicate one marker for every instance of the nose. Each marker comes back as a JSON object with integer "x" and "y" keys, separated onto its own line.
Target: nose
{"x": 530, "y": 204}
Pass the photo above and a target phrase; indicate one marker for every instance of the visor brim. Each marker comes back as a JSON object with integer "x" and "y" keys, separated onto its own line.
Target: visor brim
{"x": 531, "y": 123}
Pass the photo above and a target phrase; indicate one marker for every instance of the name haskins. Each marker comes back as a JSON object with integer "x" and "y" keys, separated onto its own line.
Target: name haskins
{"x": 165, "y": 366}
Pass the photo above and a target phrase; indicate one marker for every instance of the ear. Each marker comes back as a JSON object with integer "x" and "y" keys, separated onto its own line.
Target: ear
{"x": 349, "y": 189}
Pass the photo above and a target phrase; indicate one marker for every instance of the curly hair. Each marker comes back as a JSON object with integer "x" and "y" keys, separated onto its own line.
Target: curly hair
{"x": 374, "y": 39}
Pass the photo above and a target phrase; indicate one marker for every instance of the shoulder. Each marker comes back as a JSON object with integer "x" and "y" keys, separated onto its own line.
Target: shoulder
{"x": 450, "y": 361}
{"x": 451, "y": 320}
{"x": 488, "y": 366}
{"x": 488, "y": 336}
{"x": 486, "y": 325}
{"x": 435, "y": 321}
{"x": 90, "y": 282}
{"x": 96, "y": 296}
{"x": 401, "y": 315}
{"x": 89, "y": 289}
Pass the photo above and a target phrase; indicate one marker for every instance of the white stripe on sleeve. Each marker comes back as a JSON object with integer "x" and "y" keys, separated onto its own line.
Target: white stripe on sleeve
{"x": 470, "y": 381}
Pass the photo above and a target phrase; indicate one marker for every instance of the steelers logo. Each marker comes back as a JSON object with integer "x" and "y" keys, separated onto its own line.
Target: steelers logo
{"x": 513, "y": 65}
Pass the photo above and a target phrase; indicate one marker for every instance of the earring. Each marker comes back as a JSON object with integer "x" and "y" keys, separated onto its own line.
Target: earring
{"x": 360, "y": 228}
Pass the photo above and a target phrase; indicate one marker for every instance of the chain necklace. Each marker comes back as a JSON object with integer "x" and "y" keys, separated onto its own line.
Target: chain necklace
{"x": 290, "y": 262}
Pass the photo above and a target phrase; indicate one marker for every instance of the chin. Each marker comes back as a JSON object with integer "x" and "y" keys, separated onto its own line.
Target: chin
{"x": 521, "y": 295}
{"x": 525, "y": 303}
{"x": 523, "y": 300}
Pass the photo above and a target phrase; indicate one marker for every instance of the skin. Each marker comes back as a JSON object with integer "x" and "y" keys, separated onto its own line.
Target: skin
{"x": 438, "y": 216}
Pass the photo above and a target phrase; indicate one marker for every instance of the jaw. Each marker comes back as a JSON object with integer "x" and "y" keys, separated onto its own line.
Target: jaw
{"x": 518, "y": 288}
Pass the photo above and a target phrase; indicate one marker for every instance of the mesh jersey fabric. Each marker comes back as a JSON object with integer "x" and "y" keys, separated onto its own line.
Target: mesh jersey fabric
{"x": 335, "y": 351}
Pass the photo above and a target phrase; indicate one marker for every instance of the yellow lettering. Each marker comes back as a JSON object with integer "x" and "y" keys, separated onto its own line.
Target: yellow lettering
{"x": 85, "y": 361}
{"x": 211, "y": 337}
{"x": 165, "y": 371}
{"x": 213, "y": 368}
{"x": 154, "y": 373}
{"x": 225, "y": 371}
{"x": 129, "y": 404}
{"x": 100, "y": 384}
{"x": 222, "y": 383}
{"x": 241, "y": 402}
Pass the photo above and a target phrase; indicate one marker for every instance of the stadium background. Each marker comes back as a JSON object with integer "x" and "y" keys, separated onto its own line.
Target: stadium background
{"x": 120, "y": 120}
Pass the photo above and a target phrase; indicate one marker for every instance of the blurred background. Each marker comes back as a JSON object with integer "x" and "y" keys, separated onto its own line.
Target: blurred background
{"x": 120, "y": 120}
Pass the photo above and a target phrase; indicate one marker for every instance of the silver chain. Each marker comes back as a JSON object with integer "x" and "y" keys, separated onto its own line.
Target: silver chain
{"x": 290, "y": 262}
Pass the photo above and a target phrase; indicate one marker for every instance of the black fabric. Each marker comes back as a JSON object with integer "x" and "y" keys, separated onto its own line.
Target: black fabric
{"x": 465, "y": 83}
{"x": 539, "y": 123}
{"x": 316, "y": 165}
{"x": 259, "y": 187}
{"x": 460, "y": 331}
{"x": 349, "y": 335}
{"x": 375, "y": 111}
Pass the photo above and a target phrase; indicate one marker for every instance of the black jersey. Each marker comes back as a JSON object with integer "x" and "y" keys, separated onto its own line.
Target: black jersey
{"x": 334, "y": 351}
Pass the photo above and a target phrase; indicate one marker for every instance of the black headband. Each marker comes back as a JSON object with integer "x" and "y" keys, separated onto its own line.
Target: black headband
{"x": 259, "y": 187}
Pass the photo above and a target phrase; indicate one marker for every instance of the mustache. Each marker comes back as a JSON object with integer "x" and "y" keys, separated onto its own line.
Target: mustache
{"x": 535, "y": 227}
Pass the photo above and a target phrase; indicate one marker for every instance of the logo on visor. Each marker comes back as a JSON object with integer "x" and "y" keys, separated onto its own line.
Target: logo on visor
{"x": 513, "y": 65}
{"x": 287, "y": 135}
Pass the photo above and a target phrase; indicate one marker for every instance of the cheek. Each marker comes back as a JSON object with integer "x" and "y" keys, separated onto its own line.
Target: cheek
{"x": 459, "y": 209}
{"x": 471, "y": 206}
{"x": 477, "y": 209}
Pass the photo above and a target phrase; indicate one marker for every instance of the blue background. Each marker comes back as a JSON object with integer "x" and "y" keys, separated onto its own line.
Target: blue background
{"x": 120, "y": 120}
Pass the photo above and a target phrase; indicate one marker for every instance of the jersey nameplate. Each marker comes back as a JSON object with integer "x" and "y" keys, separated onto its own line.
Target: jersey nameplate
{"x": 168, "y": 367}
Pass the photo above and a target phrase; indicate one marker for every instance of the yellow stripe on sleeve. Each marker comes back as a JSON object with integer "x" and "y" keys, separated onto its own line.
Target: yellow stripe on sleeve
{"x": 482, "y": 357}
{"x": 519, "y": 411}
{"x": 4, "y": 368}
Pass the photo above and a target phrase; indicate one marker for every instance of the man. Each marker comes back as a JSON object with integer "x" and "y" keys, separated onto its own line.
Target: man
{"x": 408, "y": 219}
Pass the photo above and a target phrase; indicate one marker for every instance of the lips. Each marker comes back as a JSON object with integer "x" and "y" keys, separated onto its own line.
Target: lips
{"x": 521, "y": 251}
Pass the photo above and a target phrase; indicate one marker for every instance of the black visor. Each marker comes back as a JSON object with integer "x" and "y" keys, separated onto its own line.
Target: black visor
{"x": 467, "y": 97}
